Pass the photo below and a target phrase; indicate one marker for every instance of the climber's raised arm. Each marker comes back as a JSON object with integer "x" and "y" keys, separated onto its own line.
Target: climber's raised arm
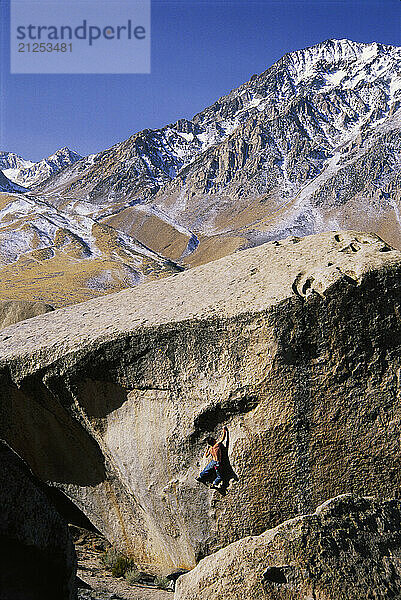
{"x": 223, "y": 437}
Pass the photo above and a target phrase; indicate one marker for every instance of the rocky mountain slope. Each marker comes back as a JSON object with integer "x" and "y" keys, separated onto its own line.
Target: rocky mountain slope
{"x": 8, "y": 186}
{"x": 312, "y": 144}
{"x": 295, "y": 345}
{"x": 64, "y": 257}
{"x": 29, "y": 174}
{"x": 13, "y": 311}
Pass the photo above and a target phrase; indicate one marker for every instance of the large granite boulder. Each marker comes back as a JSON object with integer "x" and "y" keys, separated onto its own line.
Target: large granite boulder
{"x": 13, "y": 311}
{"x": 295, "y": 345}
{"x": 349, "y": 548}
{"x": 37, "y": 553}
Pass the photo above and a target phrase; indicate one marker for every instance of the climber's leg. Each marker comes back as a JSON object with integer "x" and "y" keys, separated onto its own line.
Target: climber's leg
{"x": 207, "y": 471}
{"x": 219, "y": 478}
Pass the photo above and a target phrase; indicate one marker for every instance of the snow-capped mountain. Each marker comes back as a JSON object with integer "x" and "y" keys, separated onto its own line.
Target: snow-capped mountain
{"x": 28, "y": 173}
{"x": 245, "y": 166}
{"x": 316, "y": 114}
{"x": 9, "y": 160}
{"x": 312, "y": 144}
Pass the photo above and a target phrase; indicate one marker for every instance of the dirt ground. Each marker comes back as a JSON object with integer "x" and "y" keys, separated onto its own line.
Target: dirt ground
{"x": 96, "y": 583}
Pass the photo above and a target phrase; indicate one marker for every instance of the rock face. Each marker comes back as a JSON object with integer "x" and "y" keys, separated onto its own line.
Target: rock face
{"x": 349, "y": 548}
{"x": 13, "y": 311}
{"x": 295, "y": 345}
{"x": 38, "y": 556}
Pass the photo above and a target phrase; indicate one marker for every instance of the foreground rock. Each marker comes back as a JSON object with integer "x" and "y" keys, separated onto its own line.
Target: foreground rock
{"x": 349, "y": 548}
{"x": 13, "y": 311}
{"x": 38, "y": 557}
{"x": 295, "y": 345}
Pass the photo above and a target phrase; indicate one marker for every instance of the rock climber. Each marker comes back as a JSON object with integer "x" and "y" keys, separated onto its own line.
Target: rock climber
{"x": 214, "y": 450}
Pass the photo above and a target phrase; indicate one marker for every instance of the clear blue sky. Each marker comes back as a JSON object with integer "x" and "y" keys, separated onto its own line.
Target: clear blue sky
{"x": 201, "y": 49}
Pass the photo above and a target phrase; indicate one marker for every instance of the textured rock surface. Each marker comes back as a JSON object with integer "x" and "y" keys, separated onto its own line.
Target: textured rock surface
{"x": 38, "y": 557}
{"x": 13, "y": 311}
{"x": 294, "y": 344}
{"x": 349, "y": 548}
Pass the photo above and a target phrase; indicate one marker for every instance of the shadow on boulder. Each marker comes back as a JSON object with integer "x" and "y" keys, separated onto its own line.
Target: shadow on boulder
{"x": 38, "y": 556}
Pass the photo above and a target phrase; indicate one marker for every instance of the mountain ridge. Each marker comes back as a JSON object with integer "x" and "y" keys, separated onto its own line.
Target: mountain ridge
{"x": 150, "y": 150}
{"x": 29, "y": 173}
{"x": 312, "y": 144}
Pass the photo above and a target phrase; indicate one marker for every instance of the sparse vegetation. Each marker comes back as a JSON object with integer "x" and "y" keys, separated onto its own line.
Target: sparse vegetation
{"x": 117, "y": 563}
{"x": 163, "y": 583}
{"x": 132, "y": 575}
